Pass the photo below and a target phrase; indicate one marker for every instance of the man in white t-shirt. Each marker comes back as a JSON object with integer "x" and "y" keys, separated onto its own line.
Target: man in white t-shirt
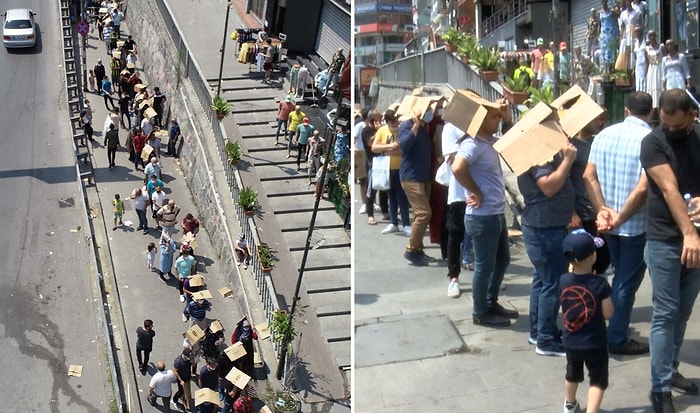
{"x": 161, "y": 386}
{"x": 157, "y": 202}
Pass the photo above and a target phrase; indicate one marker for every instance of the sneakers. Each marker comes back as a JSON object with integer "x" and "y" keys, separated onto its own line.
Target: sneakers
{"x": 498, "y": 309}
{"x": 453, "y": 290}
{"x": 683, "y": 385}
{"x": 363, "y": 209}
{"x": 632, "y": 348}
{"x": 390, "y": 229}
{"x": 491, "y": 320}
{"x": 407, "y": 231}
{"x": 571, "y": 407}
{"x": 532, "y": 340}
{"x": 662, "y": 402}
{"x": 416, "y": 258}
{"x": 550, "y": 348}
{"x": 182, "y": 298}
{"x": 184, "y": 318}
{"x": 469, "y": 266}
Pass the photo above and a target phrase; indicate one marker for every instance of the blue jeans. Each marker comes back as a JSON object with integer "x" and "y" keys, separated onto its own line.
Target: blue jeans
{"x": 627, "y": 255}
{"x": 674, "y": 290}
{"x": 544, "y": 249}
{"x": 489, "y": 235}
{"x": 467, "y": 249}
{"x": 281, "y": 122}
{"x": 143, "y": 222}
{"x": 397, "y": 200}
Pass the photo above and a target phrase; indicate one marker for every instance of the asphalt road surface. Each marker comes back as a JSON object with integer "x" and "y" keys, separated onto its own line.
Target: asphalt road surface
{"x": 47, "y": 321}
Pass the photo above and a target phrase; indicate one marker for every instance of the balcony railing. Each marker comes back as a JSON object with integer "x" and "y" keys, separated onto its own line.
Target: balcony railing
{"x": 503, "y": 15}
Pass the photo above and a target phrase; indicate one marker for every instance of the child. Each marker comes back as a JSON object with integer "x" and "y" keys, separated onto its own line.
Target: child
{"x": 585, "y": 305}
{"x": 118, "y": 206}
{"x": 151, "y": 256}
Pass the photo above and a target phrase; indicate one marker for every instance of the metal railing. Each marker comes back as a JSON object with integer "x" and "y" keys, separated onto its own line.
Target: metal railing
{"x": 503, "y": 15}
{"x": 439, "y": 67}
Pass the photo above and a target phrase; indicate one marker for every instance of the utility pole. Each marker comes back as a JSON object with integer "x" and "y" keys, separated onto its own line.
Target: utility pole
{"x": 556, "y": 39}
{"x": 83, "y": 58}
{"x": 223, "y": 48}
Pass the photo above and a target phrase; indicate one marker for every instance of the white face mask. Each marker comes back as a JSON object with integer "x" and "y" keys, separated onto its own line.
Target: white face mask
{"x": 428, "y": 116}
{"x": 440, "y": 112}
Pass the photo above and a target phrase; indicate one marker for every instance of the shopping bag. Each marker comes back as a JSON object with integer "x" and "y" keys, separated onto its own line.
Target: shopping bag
{"x": 442, "y": 175}
{"x": 380, "y": 173}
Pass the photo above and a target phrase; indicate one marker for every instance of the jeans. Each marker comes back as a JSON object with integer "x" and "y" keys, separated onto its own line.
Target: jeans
{"x": 543, "y": 246}
{"x": 301, "y": 148}
{"x": 397, "y": 200}
{"x": 489, "y": 234}
{"x": 143, "y": 221}
{"x": 674, "y": 290}
{"x": 627, "y": 255}
{"x": 455, "y": 235}
{"x": 467, "y": 248}
{"x": 418, "y": 194}
{"x": 108, "y": 97}
{"x": 185, "y": 392}
{"x": 125, "y": 112}
{"x": 281, "y": 122}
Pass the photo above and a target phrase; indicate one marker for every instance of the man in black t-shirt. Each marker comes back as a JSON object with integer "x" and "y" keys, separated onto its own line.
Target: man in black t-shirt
{"x": 182, "y": 367}
{"x": 144, "y": 344}
{"x": 670, "y": 155}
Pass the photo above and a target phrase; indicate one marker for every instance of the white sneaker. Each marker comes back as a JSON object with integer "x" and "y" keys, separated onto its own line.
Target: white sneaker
{"x": 182, "y": 298}
{"x": 184, "y": 318}
{"x": 377, "y": 208}
{"x": 453, "y": 290}
{"x": 390, "y": 228}
{"x": 363, "y": 209}
{"x": 407, "y": 231}
{"x": 571, "y": 407}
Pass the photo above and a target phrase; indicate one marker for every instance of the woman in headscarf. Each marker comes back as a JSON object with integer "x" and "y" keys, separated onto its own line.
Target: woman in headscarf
{"x": 167, "y": 250}
{"x": 245, "y": 333}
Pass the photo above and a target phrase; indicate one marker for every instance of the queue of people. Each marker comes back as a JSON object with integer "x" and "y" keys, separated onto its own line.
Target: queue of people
{"x": 612, "y": 196}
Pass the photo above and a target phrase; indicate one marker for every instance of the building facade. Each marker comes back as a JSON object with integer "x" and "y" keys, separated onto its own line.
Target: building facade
{"x": 381, "y": 30}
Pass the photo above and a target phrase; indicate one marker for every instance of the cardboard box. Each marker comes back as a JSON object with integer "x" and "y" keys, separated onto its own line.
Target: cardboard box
{"x": 202, "y": 295}
{"x": 196, "y": 281}
{"x": 216, "y": 326}
{"x": 235, "y": 351}
{"x": 420, "y": 104}
{"x": 575, "y": 110}
{"x": 467, "y": 111}
{"x": 225, "y": 292}
{"x": 194, "y": 334}
{"x": 150, "y": 113}
{"x": 238, "y": 378}
{"x": 534, "y": 140}
{"x": 146, "y": 152}
{"x": 206, "y": 395}
{"x": 263, "y": 330}
{"x": 75, "y": 370}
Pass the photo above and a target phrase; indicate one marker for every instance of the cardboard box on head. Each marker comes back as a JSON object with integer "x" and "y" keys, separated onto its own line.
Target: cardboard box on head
{"x": 206, "y": 395}
{"x": 417, "y": 104}
{"x": 467, "y": 111}
{"x": 545, "y": 130}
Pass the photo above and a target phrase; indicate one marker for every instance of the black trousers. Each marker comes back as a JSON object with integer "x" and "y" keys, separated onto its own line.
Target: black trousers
{"x": 88, "y": 130}
{"x": 142, "y": 355}
{"x": 454, "y": 224}
{"x": 111, "y": 155}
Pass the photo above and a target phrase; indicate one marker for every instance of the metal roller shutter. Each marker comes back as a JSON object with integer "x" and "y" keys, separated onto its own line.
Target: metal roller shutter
{"x": 580, "y": 10}
{"x": 334, "y": 31}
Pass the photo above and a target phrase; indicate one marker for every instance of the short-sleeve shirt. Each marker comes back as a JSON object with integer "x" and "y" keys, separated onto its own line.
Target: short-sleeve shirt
{"x": 157, "y": 198}
{"x": 485, "y": 169}
{"x": 582, "y": 205}
{"x": 162, "y": 382}
{"x": 384, "y": 136}
{"x": 151, "y": 186}
{"x": 140, "y": 201}
{"x": 304, "y": 133}
{"x": 183, "y": 367}
{"x": 541, "y": 211}
{"x": 284, "y": 110}
{"x": 144, "y": 338}
{"x": 582, "y": 315}
{"x": 450, "y": 136}
{"x": 682, "y": 156}
{"x": 184, "y": 266}
{"x": 295, "y": 119}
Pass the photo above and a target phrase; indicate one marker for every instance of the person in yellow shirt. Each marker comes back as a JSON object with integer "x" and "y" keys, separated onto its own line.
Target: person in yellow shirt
{"x": 546, "y": 72}
{"x": 295, "y": 119}
{"x": 386, "y": 142}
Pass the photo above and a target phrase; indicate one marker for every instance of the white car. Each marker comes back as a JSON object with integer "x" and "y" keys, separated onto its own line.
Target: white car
{"x": 18, "y": 29}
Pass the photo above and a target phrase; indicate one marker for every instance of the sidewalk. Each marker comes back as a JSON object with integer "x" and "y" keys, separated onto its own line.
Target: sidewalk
{"x": 138, "y": 293}
{"x": 417, "y": 350}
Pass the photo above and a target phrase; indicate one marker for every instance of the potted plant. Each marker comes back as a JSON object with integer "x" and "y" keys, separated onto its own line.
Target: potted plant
{"x": 283, "y": 401}
{"x": 267, "y": 263}
{"x": 621, "y": 78}
{"x": 221, "y": 107}
{"x": 515, "y": 89}
{"x": 544, "y": 95}
{"x": 466, "y": 47}
{"x": 248, "y": 200}
{"x": 452, "y": 38}
{"x": 234, "y": 152}
{"x": 488, "y": 63}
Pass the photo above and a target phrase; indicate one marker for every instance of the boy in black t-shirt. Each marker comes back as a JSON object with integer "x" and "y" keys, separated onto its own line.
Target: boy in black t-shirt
{"x": 585, "y": 305}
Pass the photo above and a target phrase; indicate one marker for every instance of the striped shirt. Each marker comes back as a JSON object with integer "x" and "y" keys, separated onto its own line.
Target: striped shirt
{"x": 168, "y": 216}
{"x": 615, "y": 153}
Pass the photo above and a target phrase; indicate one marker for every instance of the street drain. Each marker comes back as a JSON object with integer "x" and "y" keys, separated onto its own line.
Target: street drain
{"x": 66, "y": 202}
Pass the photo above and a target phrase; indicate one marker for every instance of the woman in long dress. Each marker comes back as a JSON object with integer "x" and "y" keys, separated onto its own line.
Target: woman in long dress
{"x": 674, "y": 68}
{"x": 653, "y": 77}
{"x": 630, "y": 18}
{"x": 640, "y": 61}
{"x": 609, "y": 36}
{"x": 167, "y": 250}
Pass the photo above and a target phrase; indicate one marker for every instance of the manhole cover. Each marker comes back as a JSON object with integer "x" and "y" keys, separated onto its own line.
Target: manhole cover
{"x": 66, "y": 203}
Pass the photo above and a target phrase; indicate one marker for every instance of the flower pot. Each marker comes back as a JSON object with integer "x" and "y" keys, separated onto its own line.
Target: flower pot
{"x": 464, "y": 59}
{"x": 450, "y": 48}
{"x": 515, "y": 98}
{"x": 262, "y": 267}
{"x": 625, "y": 82}
{"x": 233, "y": 161}
{"x": 249, "y": 213}
{"x": 291, "y": 405}
{"x": 219, "y": 116}
{"x": 489, "y": 76}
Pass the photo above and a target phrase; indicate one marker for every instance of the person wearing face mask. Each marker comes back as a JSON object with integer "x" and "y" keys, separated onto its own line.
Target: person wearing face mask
{"x": 477, "y": 167}
{"x": 386, "y": 143}
{"x": 617, "y": 188}
{"x": 669, "y": 156}
{"x": 414, "y": 173}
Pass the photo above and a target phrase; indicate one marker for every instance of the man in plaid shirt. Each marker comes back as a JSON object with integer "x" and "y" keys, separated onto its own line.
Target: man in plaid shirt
{"x": 617, "y": 187}
{"x": 243, "y": 404}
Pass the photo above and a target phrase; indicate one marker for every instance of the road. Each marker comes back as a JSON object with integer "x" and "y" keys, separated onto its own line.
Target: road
{"x": 48, "y": 320}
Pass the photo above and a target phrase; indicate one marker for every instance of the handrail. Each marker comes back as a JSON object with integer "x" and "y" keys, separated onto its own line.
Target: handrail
{"x": 503, "y": 15}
